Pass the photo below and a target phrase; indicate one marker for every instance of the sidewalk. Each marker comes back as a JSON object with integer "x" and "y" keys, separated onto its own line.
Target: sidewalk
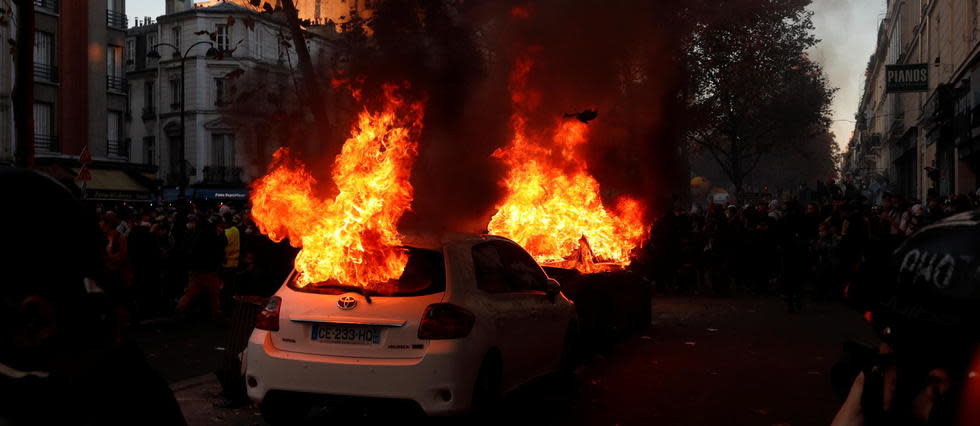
{"x": 197, "y": 396}
{"x": 182, "y": 349}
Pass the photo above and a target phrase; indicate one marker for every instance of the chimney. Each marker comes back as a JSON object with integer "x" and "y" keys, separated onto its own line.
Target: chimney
{"x": 175, "y": 6}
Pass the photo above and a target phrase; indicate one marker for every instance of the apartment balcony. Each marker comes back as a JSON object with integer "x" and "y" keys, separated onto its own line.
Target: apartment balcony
{"x": 115, "y": 20}
{"x": 115, "y": 84}
{"x": 46, "y": 144}
{"x": 118, "y": 149}
{"x": 222, "y": 174}
{"x": 49, "y": 6}
{"x": 45, "y": 72}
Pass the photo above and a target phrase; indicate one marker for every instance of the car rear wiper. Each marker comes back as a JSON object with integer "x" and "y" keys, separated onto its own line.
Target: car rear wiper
{"x": 362, "y": 291}
{"x": 353, "y": 289}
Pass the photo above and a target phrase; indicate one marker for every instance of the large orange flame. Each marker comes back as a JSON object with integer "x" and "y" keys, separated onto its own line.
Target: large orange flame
{"x": 552, "y": 206}
{"x": 351, "y": 238}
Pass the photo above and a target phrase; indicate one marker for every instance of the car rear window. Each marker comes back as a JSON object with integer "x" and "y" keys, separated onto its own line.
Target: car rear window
{"x": 425, "y": 273}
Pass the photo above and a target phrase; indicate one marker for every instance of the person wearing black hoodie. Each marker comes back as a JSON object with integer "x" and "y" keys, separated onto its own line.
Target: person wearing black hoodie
{"x": 62, "y": 358}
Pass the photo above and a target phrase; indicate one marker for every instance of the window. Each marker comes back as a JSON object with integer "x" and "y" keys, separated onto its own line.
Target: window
{"x": 524, "y": 272}
{"x": 50, "y": 6}
{"x": 424, "y": 273}
{"x": 113, "y": 55}
{"x": 129, "y": 99}
{"x": 503, "y": 267}
{"x": 220, "y": 91}
{"x": 115, "y": 16}
{"x": 488, "y": 266}
{"x": 43, "y": 128}
{"x": 148, "y": 96}
{"x": 151, "y": 40}
{"x": 222, "y": 150}
{"x": 43, "y": 48}
{"x": 149, "y": 150}
{"x": 44, "y": 66}
{"x": 175, "y": 36}
{"x": 221, "y": 39}
{"x": 113, "y": 69}
{"x": 130, "y": 53}
{"x": 256, "y": 43}
{"x": 175, "y": 95}
{"x": 6, "y": 124}
{"x": 114, "y": 143}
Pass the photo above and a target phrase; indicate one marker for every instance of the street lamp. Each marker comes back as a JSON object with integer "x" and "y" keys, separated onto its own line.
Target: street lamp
{"x": 155, "y": 54}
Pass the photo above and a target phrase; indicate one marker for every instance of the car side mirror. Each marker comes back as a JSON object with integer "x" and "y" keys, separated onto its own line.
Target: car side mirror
{"x": 552, "y": 288}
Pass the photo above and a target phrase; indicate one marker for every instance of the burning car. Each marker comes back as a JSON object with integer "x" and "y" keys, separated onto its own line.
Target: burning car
{"x": 469, "y": 318}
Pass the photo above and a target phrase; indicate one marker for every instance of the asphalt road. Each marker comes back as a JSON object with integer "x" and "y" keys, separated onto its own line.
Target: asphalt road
{"x": 702, "y": 361}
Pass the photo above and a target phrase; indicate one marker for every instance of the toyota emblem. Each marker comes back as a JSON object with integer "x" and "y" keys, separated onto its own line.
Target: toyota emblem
{"x": 347, "y": 303}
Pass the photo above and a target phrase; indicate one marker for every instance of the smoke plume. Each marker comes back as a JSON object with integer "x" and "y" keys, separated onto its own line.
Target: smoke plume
{"x": 615, "y": 57}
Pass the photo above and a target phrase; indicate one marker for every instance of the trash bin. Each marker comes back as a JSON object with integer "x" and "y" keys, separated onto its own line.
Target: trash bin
{"x": 246, "y": 308}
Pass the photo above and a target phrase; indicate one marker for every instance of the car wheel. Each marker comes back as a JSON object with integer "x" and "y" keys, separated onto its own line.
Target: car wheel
{"x": 486, "y": 390}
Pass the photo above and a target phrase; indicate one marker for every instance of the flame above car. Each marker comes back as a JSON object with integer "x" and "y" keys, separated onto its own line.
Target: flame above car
{"x": 552, "y": 205}
{"x": 350, "y": 238}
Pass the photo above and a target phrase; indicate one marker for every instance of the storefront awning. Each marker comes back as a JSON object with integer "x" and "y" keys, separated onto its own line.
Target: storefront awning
{"x": 112, "y": 185}
{"x": 216, "y": 194}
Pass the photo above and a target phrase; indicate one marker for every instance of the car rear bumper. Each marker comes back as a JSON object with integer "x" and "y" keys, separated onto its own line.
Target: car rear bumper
{"x": 438, "y": 382}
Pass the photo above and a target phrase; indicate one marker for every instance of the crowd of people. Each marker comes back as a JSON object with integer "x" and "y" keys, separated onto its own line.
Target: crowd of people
{"x": 183, "y": 259}
{"x": 813, "y": 247}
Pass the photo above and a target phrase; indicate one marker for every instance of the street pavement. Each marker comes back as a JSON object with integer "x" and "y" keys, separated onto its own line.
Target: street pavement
{"x": 703, "y": 361}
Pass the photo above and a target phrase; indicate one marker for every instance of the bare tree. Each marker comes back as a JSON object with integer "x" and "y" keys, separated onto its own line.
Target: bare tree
{"x": 753, "y": 88}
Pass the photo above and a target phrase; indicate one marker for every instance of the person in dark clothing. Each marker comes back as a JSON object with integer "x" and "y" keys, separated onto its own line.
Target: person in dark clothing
{"x": 206, "y": 245}
{"x": 792, "y": 234}
{"x": 144, "y": 255}
{"x": 61, "y": 358}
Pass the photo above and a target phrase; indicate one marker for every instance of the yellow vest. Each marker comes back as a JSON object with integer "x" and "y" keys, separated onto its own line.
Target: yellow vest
{"x": 234, "y": 245}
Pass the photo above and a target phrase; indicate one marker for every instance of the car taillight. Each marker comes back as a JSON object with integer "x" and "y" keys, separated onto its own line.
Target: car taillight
{"x": 445, "y": 321}
{"x": 268, "y": 318}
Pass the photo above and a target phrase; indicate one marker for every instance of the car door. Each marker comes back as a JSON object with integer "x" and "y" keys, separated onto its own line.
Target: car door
{"x": 508, "y": 310}
{"x": 543, "y": 320}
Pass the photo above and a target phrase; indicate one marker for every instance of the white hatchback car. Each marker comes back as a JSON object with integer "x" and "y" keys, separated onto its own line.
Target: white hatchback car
{"x": 471, "y": 318}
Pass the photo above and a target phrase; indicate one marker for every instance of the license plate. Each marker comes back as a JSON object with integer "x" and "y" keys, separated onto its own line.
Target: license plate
{"x": 346, "y": 335}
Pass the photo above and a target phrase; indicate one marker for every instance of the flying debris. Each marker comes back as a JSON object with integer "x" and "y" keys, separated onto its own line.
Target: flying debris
{"x": 584, "y": 116}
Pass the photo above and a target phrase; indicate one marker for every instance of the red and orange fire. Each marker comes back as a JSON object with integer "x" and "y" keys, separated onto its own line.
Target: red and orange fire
{"x": 552, "y": 206}
{"x": 351, "y": 238}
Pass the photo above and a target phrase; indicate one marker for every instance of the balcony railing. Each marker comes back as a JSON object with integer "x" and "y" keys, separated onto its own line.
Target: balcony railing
{"x": 45, "y": 72}
{"x": 46, "y": 144}
{"x": 115, "y": 84}
{"x": 50, "y": 6}
{"x": 117, "y": 148}
{"x": 222, "y": 174}
{"x": 115, "y": 19}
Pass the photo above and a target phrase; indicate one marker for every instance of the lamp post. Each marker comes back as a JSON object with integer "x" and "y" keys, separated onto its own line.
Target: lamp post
{"x": 155, "y": 54}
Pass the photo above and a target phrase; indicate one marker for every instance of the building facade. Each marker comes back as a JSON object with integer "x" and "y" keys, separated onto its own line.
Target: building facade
{"x": 7, "y": 75}
{"x": 922, "y": 144}
{"x": 80, "y": 99}
{"x": 214, "y": 149}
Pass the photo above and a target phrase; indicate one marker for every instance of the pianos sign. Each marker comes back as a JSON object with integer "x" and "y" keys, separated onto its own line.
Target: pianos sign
{"x": 907, "y": 78}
